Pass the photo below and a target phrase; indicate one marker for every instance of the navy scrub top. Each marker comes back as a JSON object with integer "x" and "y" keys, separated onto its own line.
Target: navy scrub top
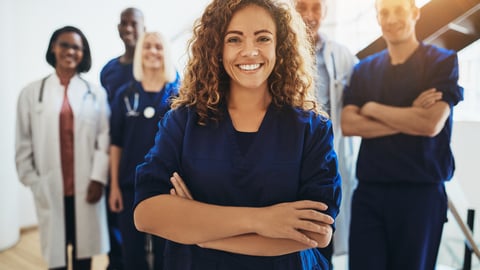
{"x": 291, "y": 158}
{"x": 113, "y": 75}
{"x": 135, "y": 134}
{"x": 403, "y": 158}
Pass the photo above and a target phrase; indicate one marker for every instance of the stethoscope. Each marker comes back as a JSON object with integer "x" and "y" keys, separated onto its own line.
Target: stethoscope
{"x": 132, "y": 111}
{"x": 85, "y": 96}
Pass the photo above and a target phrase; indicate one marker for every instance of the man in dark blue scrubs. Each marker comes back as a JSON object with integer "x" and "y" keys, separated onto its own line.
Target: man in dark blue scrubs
{"x": 117, "y": 72}
{"x": 400, "y": 102}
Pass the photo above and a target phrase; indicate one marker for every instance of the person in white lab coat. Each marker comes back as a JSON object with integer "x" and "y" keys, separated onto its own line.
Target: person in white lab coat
{"x": 62, "y": 142}
{"x": 334, "y": 67}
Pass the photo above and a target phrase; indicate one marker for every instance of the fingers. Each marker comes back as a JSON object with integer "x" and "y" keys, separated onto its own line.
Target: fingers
{"x": 116, "y": 205}
{"x": 115, "y": 201}
{"x": 427, "y": 98}
{"x": 313, "y": 215}
{"x": 120, "y": 205}
{"x": 303, "y": 238}
{"x": 180, "y": 189}
{"x": 94, "y": 192}
{"x": 307, "y": 204}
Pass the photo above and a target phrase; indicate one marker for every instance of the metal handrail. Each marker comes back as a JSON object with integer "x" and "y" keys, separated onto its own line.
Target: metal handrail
{"x": 466, "y": 231}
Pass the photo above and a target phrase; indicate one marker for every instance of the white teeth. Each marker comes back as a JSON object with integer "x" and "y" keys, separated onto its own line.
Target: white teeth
{"x": 249, "y": 67}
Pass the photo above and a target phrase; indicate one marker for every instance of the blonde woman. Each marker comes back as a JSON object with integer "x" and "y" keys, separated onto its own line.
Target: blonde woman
{"x": 136, "y": 110}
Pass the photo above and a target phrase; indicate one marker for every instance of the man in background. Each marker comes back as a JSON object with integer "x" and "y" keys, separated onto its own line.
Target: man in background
{"x": 400, "y": 102}
{"x": 334, "y": 66}
{"x": 119, "y": 70}
{"x": 114, "y": 74}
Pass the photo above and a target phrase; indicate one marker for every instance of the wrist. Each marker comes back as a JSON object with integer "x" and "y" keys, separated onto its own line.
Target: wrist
{"x": 251, "y": 219}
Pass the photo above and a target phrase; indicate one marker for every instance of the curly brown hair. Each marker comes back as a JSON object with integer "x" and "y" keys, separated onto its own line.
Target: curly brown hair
{"x": 206, "y": 84}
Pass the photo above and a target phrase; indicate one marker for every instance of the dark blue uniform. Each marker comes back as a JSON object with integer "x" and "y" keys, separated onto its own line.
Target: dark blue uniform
{"x": 400, "y": 205}
{"x": 134, "y": 131}
{"x": 290, "y": 158}
{"x": 113, "y": 75}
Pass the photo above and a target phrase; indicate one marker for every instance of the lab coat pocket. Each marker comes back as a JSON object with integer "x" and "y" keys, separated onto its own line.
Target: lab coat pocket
{"x": 41, "y": 193}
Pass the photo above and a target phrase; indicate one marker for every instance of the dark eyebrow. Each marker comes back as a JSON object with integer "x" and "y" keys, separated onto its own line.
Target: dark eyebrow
{"x": 263, "y": 31}
{"x": 241, "y": 33}
{"x": 234, "y": 32}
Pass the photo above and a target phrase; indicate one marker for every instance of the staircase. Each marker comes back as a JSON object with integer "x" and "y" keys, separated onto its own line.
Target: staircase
{"x": 451, "y": 24}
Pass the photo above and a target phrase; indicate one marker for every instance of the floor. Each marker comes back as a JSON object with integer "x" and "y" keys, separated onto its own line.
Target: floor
{"x": 25, "y": 255}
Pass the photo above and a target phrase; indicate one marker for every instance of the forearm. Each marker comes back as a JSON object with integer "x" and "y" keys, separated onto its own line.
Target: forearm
{"x": 416, "y": 121}
{"x": 355, "y": 124}
{"x": 257, "y": 245}
{"x": 191, "y": 222}
{"x": 115, "y": 155}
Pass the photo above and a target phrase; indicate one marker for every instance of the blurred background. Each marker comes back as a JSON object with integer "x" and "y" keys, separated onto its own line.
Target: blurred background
{"x": 26, "y": 26}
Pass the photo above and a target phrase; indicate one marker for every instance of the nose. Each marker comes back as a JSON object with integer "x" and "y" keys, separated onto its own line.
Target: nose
{"x": 250, "y": 50}
{"x": 307, "y": 14}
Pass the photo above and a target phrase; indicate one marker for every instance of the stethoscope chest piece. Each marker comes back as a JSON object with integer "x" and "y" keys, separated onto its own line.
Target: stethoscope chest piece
{"x": 149, "y": 112}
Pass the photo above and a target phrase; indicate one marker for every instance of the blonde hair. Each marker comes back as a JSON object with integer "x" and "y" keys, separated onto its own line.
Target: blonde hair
{"x": 206, "y": 83}
{"x": 169, "y": 71}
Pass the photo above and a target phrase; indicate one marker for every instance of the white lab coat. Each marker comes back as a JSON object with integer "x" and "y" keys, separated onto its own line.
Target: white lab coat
{"x": 339, "y": 62}
{"x": 38, "y": 163}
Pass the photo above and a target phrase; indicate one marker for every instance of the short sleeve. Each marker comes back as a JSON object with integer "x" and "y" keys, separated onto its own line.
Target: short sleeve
{"x": 117, "y": 120}
{"x": 352, "y": 95}
{"x": 445, "y": 77}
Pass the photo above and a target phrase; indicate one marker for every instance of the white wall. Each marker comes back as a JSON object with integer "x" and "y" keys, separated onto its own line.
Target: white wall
{"x": 8, "y": 186}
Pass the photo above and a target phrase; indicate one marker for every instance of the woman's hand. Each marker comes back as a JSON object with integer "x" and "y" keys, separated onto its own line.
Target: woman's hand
{"x": 427, "y": 98}
{"x": 94, "y": 192}
{"x": 115, "y": 200}
{"x": 179, "y": 188}
{"x": 293, "y": 220}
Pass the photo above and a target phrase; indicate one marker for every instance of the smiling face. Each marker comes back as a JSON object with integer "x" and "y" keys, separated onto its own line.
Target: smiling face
{"x": 152, "y": 53}
{"x": 312, "y": 12}
{"x": 68, "y": 51}
{"x": 249, "y": 48}
{"x": 397, "y": 19}
{"x": 131, "y": 26}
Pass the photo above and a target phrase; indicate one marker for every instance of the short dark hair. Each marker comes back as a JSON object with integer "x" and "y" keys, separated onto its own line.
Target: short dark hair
{"x": 86, "y": 62}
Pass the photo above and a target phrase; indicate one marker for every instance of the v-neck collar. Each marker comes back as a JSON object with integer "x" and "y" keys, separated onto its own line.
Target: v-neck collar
{"x": 251, "y": 153}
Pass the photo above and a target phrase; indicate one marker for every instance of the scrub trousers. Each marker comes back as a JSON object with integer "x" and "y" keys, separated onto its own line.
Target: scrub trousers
{"x": 135, "y": 243}
{"x": 396, "y": 226}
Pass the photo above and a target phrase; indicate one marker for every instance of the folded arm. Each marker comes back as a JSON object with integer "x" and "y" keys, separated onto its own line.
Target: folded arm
{"x": 426, "y": 117}
{"x": 265, "y": 231}
{"x": 257, "y": 245}
{"x": 354, "y": 123}
{"x": 417, "y": 121}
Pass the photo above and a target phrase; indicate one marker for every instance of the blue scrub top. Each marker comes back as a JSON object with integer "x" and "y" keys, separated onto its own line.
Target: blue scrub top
{"x": 136, "y": 134}
{"x": 291, "y": 158}
{"x": 115, "y": 74}
{"x": 403, "y": 158}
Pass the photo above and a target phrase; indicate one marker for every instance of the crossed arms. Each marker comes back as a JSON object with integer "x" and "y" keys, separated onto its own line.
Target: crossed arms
{"x": 425, "y": 117}
{"x": 264, "y": 231}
